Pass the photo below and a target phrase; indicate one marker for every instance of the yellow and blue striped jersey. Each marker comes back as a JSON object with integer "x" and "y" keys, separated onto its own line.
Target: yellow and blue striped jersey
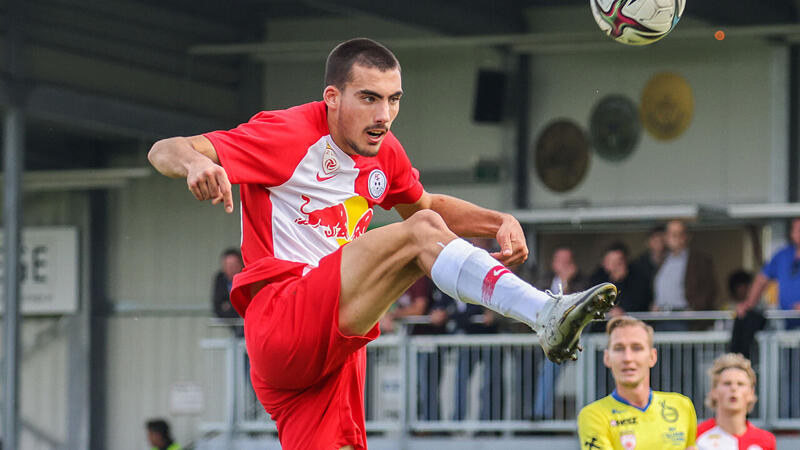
{"x": 667, "y": 421}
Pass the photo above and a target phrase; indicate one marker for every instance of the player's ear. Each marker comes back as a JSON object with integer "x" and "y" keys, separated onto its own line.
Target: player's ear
{"x": 653, "y": 357}
{"x": 605, "y": 359}
{"x": 332, "y": 96}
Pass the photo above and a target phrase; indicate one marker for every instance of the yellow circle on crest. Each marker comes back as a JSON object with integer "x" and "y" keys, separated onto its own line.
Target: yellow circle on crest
{"x": 667, "y": 106}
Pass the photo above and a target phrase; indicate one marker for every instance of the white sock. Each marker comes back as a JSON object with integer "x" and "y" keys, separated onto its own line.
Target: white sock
{"x": 470, "y": 274}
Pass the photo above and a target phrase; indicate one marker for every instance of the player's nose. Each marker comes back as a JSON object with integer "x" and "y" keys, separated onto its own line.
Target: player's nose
{"x": 382, "y": 113}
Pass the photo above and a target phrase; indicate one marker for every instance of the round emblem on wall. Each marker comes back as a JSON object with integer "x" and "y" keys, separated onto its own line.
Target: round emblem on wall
{"x": 562, "y": 155}
{"x": 376, "y": 183}
{"x": 667, "y": 106}
{"x": 614, "y": 127}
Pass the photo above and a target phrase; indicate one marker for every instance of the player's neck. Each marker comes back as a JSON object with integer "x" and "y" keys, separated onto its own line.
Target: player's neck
{"x": 336, "y": 136}
{"x": 733, "y": 423}
{"x": 637, "y": 396}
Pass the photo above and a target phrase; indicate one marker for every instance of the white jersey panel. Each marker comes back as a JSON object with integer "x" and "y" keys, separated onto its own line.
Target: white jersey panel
{"x": 317, "y": 209}
{"x": 717, "y": 439}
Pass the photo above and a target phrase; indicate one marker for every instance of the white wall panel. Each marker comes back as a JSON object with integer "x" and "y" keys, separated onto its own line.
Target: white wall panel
{"x": 43, "y": 383}
{"x": 724, "y": 155}
{"x": 165, "y": 245}
{"x": 146, "y": 355}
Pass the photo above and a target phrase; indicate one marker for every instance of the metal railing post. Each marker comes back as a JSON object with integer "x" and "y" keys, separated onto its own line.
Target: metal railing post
{"x": 404, "y": 356}
{"x": 232, "y": 404}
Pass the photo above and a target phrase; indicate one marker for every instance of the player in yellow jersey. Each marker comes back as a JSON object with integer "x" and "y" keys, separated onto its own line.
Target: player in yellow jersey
{"x": 635, "y": 416}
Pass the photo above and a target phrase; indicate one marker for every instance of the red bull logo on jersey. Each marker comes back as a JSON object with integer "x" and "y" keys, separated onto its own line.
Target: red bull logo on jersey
{"x": 344, "y": 221}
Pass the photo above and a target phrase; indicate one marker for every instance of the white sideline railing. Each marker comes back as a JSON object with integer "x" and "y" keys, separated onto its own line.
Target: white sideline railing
{"x": 503, "y": 383}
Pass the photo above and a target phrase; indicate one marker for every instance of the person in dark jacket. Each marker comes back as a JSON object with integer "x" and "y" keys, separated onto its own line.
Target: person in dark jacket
{"x": 685, "y": 281}
{"x": 635, "y": 291}
{"x": 230, "y": 264}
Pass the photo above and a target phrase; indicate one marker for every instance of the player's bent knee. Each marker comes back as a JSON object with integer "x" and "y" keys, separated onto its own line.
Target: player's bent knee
{"x": 427, "y": 221}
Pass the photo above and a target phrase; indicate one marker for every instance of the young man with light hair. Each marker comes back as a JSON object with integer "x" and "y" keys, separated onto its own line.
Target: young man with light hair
{"x": 634, "y": 415}
{"x": 732, "y": 396}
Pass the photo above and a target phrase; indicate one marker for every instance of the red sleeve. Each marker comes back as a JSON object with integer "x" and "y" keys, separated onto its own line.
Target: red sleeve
{"x": 768, "y": 439}
{"x": 268, "y": 147}
{"x": 405, "y": 186}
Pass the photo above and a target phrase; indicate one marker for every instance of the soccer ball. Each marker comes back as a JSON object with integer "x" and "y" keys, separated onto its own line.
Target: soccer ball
{"x": 637, "y": 22}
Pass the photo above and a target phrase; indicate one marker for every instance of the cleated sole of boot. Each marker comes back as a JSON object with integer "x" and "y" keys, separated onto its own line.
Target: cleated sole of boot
{"x": 596, "y": 306}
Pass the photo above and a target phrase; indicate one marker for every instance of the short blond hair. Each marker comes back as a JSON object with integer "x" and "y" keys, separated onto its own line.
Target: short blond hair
{"x": 628, "y": 321}
{"x": 730, "y": 361}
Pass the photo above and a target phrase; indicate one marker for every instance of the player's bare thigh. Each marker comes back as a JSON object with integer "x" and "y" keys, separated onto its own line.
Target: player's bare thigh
{"x": 349, "y": 447}
{"x": 381, "y": 264}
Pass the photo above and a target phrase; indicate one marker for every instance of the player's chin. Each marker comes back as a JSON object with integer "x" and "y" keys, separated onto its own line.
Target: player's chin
{"x": 370, "y": 149}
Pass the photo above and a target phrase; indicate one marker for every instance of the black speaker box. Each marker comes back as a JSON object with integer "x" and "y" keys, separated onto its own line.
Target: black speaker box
{"x": 490, "y": 96}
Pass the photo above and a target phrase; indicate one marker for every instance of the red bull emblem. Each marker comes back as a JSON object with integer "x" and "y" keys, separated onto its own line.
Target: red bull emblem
{"x": 344, "y": 221}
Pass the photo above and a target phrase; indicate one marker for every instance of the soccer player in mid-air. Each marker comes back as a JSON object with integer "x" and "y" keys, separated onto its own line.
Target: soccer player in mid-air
{"x": 309, "y": 178}
{"x": 732, "y": 396}
{"x": 634, "y": 415}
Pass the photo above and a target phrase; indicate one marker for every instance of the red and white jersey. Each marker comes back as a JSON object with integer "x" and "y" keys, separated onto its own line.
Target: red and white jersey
{"x": 712, "y": 437}
{"x": 302, "y": 196}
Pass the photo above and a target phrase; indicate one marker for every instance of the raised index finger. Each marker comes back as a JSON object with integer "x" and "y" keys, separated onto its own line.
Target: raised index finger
{"x": 505, "y": 245}
{"x": 225, "y": 190}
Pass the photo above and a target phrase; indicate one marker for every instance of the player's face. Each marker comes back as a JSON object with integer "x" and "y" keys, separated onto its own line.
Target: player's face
{"x": 677, "y": 236}
{"x": 630, "y": 356}
{"x": 366, "y": 109}
{"x": 231, "y": 265}
{"x": 615, "y": 264}
{"x": 733, "y": 392}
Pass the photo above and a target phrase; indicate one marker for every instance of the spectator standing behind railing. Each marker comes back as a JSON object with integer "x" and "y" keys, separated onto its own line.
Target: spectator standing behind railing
{"x": 732, "y": 397}
{"x": 634, "y": 415}
{"x": 230, "y": 264}
{"x": 635, "y": 290}
{"x": 648, "y": 263}
{"x": 784, "y": 267}
{"x": 753, "y": 321}
{"x": 565, "y": 277}
{"x": 685, "y": 281}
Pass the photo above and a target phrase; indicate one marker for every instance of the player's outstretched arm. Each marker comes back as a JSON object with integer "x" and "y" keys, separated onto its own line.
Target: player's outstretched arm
{"x": 469, "y": 220}
{"x": 195, "y": 159}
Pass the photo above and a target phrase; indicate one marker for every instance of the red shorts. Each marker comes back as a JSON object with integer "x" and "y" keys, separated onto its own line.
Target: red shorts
{"x": 308, "y": 375}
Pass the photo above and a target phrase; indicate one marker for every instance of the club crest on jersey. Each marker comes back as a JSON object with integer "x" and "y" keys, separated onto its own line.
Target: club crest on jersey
{"x": 329, "y": 165}
{"x": 329, "y": 162}
{"x": 668, "y": 413}
{"x": 376, "y": 183}
{"x": 628, "y": 441}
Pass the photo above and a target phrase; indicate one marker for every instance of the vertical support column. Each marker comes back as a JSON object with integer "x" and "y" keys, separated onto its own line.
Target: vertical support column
{"x": 13, "y": 145}
{"x": 793, "y": 150}
{"x": 13, "y": 136}
{"x": 521, "y": 89}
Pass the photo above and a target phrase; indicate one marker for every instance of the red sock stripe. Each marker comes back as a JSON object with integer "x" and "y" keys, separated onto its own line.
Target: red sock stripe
{"x": 490, "y": 280}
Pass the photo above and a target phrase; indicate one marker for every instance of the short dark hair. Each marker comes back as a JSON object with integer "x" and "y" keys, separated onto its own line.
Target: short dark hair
{"x": 231, "y": 252}
{"x": 362, "y": 51}
{"x": 738, "y": 278}
{"x": 161, "y": 427}
{"x": 617, "y": 246}
{"x": 661, "y": 228}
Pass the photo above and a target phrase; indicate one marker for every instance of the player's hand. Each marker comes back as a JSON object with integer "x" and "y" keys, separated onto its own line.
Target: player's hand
{"x": 513, "y": 248}
{"x": 208, "y": 181}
